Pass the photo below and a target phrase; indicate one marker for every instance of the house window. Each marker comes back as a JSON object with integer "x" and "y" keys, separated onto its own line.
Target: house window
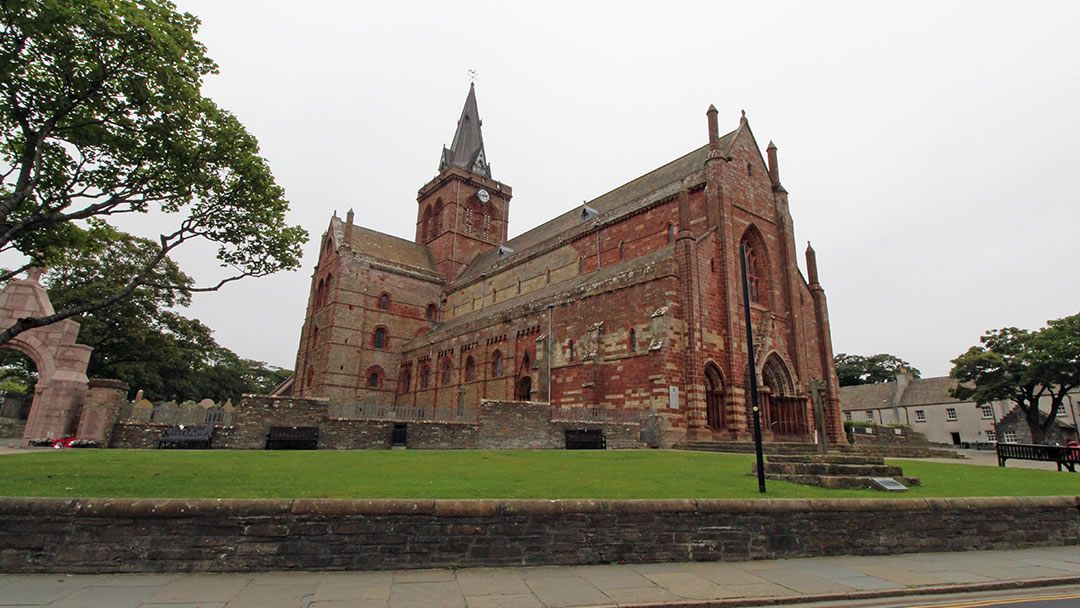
{"x": 497, "y": 365}
{"x": 1061, "y": 410}
{"x": 950, "y": 413}
{"x": 847, "y": 416}
{"x": 987, "y": 411}
{"x": 470, "y": 369}
{"x": 991, "y": 436}
{"x": 447, "y": 371}
{"x": 1010, "y": 437}
{"x": 384, "y": 301}
{"x": 380, "y": 338}
{"x": 869, "y": 415}
{"x": 633, "y": 341}
{"x": 920, "y": 415}
{"x": 432, "y": 312}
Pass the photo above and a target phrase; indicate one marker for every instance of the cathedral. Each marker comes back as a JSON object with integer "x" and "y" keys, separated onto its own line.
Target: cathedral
{"x": 631, "y": 304}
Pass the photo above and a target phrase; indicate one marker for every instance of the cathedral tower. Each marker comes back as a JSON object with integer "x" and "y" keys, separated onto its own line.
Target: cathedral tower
{"x": 463, "y": 211}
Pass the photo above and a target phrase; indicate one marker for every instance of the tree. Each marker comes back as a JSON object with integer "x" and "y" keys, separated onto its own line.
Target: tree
{"x": 1023, "y": 367}
{"x": 139, "y": 339}
{"x": 875, "y": 369}
{"x": 101, "y": 115}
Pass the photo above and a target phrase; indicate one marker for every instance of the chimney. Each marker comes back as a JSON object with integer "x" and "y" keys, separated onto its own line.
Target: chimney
{"x": 774, "y": 167}
{"x": 714, "y": 127}
{"x": 348, "y": 227}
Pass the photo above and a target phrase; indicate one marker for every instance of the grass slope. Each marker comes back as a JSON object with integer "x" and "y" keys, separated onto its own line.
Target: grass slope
{"x": 463, "y": 474}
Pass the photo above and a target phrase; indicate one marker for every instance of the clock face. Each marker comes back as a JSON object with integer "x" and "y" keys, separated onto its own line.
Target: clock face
{"x": 483, "y": 195}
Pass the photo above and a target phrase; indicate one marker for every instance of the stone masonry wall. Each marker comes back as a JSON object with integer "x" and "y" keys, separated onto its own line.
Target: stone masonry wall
{"x": 140, "y": 535}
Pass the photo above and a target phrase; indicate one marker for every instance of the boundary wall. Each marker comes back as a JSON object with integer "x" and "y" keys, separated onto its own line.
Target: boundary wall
{"x": 209, "y": 535}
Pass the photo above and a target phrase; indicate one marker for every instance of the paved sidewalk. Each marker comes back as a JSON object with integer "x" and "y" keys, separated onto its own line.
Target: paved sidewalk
{"x": 695, "y": 584}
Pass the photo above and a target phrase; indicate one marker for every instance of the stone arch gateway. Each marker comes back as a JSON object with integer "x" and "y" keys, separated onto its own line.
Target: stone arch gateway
{"x": 61, "y": 363}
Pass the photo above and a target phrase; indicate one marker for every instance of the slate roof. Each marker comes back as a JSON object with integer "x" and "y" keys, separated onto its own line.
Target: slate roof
{"x": 930, "y": 391}
{"x": 642, "y": 191}
{"x": 867, "y": 396}
{"x": 386, "y": 247}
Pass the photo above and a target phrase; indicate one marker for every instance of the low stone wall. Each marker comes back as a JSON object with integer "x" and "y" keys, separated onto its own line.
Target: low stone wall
{"x": 136, "y": 535}
{"x": 500, "y": 425}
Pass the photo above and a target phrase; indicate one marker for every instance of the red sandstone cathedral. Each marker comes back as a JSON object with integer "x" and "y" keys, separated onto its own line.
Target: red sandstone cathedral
{"x": 630, "y": 304}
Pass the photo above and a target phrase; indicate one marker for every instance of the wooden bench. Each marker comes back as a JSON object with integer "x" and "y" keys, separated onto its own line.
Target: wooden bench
{"x": 585, "y": 439}
{"x": 1065, "y": 456}
{"x": 187, "y": 437}
{"x": 292, "y": 438}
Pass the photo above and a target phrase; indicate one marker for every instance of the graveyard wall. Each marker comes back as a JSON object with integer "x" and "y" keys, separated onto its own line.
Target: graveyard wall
{"x": 141, "y": 535}
{"x": 499, "y": 425}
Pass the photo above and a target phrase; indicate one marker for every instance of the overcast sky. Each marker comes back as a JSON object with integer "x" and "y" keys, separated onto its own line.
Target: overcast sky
{"x": 929, "y": 148}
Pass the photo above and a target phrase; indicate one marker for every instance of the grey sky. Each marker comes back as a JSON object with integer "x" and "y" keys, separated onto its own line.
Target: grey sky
{"x": 928, "y": 148}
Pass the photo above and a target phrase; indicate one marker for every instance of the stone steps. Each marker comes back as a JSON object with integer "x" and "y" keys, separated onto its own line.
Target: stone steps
{"x": 747, "y": 447}
{"x": 840, "y": 482}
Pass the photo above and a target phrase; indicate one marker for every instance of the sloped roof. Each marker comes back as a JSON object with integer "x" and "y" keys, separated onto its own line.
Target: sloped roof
{"x": 929, "y": 391}
{"x": 467, "y": 149}
{"x": 386, "y": 247}
{"x": 620, "y": 201}
{"x": 867, "y": 396}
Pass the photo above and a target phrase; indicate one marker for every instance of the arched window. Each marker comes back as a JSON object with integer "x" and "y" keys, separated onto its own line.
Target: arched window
{"x": 494, "y": 295}
{"x": 405, "y": 378}
{"x": 319, "y": 291}
{"x": 671, "y": 233}
{"x": 380, "y": 339}
{"x": 497, "y": 365}
{"x": 714, "y": 397}
{"x": 384, "y": 301}
{"x": 547, "y": 273}
{"x": 633, "y": 341}
{"x": 432, "y": 312}
{"x": 310, "y": 376}
{"x": 425, "y": 376}
{"x": 425, "y": 224}
{"x": 525, "y": 364}
{"x": 571, "y": 350}
{"x": 470, "y": 369}
{"x": 756, "y": 267}
{"x": 622, "y": 249}
{"x": 373, "y": 380}
{"x": 519, "y": 286}
{"x": 581, "y": 264}
{"x": 326, "y": 291}
{"x": 314, "y": 336}
{"x": 447, "y": 372}
{"x": 436, "y": 219}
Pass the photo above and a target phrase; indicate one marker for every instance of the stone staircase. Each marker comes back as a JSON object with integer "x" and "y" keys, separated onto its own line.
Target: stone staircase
{"x": 834, "y": 472}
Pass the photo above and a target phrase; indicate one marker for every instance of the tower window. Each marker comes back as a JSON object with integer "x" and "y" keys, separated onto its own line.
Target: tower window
{"x": 380, "y": 339}
{"x": 581, "y": 264}
{"x": 571, "y": 350}
{"x": 622, "y": 249}
{"x": 548, "y": 274}
{"x": 384, "y": 301}
{"x": 373, "y": 380}
{"x": 432, "y": 312}
{"x": 497, "y": 365}
{"x": 425, "y": 376}
{"x": 671, "y": 233}
{"x": 633, "y": 341}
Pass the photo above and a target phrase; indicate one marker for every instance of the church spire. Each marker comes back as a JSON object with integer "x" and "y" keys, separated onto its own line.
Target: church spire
{"x": 467, "y": 150}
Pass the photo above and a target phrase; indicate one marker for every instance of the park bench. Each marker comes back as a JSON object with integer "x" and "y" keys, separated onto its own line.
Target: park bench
{"x": 585, "y": 439}
{"x": 292, "y": 438}
{"x": 1065, "y": 456}
{"x": 187, "y": 437}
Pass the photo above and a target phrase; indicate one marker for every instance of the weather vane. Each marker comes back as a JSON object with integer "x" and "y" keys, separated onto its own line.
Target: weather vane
{"x": 472, "y": 76}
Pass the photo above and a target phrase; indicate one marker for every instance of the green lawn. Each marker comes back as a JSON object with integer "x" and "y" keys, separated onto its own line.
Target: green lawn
{"x": 463, "y": 474}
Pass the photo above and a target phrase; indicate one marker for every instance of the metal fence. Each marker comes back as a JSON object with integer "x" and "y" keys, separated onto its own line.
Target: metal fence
{"x": 177, "y": 415}
{"x": 360, "y": 411}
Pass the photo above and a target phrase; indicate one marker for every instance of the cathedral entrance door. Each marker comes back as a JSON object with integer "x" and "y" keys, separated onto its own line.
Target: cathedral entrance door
{"x": 714, "y": 398}
{"x": 788, "y": 415}
{"x": 523, "y": 389}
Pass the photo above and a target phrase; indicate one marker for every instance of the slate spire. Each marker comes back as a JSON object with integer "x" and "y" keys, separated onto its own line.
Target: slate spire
{"x": 467, "y": 150}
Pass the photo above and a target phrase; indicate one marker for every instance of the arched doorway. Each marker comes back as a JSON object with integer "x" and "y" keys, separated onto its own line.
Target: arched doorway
{"x": 523, "y": 388}
{"x": 786, "y": 412}
{"x": 714, "y": 398}
{"x": 60, "y": 362}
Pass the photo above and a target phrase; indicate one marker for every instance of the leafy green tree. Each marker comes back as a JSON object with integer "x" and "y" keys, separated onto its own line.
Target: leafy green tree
{"x": 875, "y": 369}
{"x": 102, "y": 115}
{"x": 139, "y": 339}
{"x": 1023, "y": 367}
